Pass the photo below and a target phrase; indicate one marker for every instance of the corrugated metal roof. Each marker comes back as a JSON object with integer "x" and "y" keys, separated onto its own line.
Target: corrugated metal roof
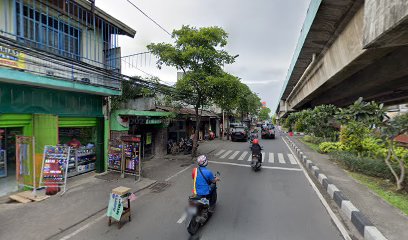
{"x": 130, "y": 112}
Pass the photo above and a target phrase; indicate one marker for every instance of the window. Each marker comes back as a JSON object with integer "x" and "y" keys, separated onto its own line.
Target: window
{"x": 48, "y": 33}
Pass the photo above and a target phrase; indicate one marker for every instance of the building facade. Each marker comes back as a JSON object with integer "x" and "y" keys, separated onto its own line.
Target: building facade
{"x": 59, "y": 63}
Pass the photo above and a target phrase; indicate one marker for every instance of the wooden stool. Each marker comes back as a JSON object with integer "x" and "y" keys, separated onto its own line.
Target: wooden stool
{"x": 124, "y": 193}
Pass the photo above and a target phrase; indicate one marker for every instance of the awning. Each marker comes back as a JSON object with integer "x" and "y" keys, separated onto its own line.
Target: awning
{"x": 129, "y": 112}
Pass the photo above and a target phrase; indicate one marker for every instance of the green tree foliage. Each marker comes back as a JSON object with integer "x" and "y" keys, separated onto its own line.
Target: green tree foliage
{"x": 200, "y": 54}
{"x": 370, "y": 113}
{"x": 264, "y": 113}
{"x": 248, "y": 102}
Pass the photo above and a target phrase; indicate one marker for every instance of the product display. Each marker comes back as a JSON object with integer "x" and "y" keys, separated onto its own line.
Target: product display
{"x": 131, "y": 152}
{"x": 115, "y": 156}
{"x": 55, "y": 164}
{"x": 124, "y": 155}
{"x": 82, "y": 160}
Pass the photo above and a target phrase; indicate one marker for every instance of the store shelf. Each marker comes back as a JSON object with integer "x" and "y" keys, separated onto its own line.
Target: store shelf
{"x": 86, "y": 162}
{"x": 85, "y": 155}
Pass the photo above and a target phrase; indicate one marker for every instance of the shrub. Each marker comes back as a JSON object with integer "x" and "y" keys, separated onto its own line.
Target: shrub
{"x": 327, "y": 147}
{"x": 352, "y": 136}
{"x": 367, "y": 166}
{"x": 313, "y": 139}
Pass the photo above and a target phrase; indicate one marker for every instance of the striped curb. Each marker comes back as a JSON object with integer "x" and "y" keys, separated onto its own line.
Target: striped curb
{"x": 347, "y": 209}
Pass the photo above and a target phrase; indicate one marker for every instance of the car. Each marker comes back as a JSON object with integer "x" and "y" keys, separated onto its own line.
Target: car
{"x": 239, "y": 134}
{"x": 268, "y": 133}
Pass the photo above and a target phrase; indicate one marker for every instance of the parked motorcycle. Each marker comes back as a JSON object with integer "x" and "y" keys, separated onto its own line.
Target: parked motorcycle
{"x": 188, "y": 146}
{"x": 200, "y": 210}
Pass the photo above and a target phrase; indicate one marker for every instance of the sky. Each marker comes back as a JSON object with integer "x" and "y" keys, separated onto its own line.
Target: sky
{"x": 263, "y": 32}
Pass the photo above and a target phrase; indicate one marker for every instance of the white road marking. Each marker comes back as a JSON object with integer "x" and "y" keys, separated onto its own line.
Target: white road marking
{"x": 271, "y": 158}
{"x": 291, "y": 159}
{"x": 263, "y": 156}
{"x": 234, "y": 155}
{"x": 226, "y": 154}
{"x": 336, "y": 221}
{"x": 242, "y": 156}
{"x": 176, "y": 174}
{"x": 263, "y": 167}
{"x": 220, "y": 152}
{"x": 281, "y": 159}
{"x": 83, "y": 228}
{"x": 250, "y": 157}
{"x": 182, "y": 218}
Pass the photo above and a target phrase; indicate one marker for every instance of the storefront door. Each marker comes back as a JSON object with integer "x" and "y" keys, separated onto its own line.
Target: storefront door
{"x": 8, "y": 181}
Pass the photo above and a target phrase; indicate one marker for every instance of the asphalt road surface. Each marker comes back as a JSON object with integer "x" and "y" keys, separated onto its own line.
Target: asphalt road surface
{"x": 277, "y": 203}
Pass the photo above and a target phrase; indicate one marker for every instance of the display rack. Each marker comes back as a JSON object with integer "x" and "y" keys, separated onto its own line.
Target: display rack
{"x": 115, "y": 156}
{"x": 125, "y": 156}
{"x": 55, "y": 166}
{"x": 3, "y": 163}
{"x": 82, "y": 160}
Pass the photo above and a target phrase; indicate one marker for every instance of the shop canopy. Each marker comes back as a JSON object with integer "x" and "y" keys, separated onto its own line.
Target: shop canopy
{"x": 129, "y": 112}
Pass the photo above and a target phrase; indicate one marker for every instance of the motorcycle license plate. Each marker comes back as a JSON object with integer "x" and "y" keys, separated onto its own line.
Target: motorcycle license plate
{"x": 192, "y": 210}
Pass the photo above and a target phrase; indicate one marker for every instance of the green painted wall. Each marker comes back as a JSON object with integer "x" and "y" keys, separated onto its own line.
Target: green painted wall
{"x": 18, "y": 120}
{"x": 26, "y": 99}
{"x": 76, "y": 122}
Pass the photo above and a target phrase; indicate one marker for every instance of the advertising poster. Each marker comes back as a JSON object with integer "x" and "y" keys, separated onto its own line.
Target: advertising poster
{"x": 11, "y": 58}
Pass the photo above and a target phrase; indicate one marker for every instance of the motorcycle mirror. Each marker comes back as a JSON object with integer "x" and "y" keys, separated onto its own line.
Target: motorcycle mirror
{"x": 218, "y": 173}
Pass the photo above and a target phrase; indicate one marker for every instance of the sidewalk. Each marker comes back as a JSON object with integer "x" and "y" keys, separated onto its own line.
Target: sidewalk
{"x": 389, "y": 220}
{"x": 86, "y": 196}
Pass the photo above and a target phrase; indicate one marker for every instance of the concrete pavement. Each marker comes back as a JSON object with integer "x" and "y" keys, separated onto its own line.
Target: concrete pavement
{"x": 276, "y": 203}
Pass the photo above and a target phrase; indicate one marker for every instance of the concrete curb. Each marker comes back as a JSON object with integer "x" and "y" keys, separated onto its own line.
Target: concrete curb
{"x": 347, "y": 209}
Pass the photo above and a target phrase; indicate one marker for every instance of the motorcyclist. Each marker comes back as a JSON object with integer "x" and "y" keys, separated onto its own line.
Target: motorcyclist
{"x": 256, "y": 148}
{"x": 203, "y": 178}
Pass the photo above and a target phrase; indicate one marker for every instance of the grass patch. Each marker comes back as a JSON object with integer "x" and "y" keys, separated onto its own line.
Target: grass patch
{"x": 311, "y": 145}
{"x": 385, "y": 189}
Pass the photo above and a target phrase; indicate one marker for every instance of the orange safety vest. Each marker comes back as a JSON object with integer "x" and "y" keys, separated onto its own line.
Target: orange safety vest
{"x": 194, "y": 175}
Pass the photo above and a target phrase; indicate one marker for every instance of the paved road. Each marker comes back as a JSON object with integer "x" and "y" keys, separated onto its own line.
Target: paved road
{"x": 276, "y": 203}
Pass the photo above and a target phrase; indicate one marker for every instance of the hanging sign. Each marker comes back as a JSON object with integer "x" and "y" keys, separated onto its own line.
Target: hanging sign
{"x": 11, "y": 58}
{"x": 115, "y": 207}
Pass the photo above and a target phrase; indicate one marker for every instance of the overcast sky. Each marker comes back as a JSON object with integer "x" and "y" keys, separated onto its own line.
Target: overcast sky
{"x": 263, "y": 32}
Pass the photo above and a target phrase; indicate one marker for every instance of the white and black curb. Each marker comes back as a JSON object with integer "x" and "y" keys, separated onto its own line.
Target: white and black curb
{"x": 363, "y": 225}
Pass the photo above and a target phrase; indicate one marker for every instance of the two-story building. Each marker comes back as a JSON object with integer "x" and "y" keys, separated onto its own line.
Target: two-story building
{"x": 59, "y": 63}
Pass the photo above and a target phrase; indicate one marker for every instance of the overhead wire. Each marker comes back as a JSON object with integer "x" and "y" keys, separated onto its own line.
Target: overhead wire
{"x": 151, "y": 19}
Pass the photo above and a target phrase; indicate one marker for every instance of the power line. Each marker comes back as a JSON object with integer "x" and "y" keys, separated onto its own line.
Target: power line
{"x": 151, "y": 19}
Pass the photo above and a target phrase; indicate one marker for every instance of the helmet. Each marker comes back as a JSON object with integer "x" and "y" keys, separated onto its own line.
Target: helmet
{"x": 255, "y": 141}
{"x": 202, "y": 161}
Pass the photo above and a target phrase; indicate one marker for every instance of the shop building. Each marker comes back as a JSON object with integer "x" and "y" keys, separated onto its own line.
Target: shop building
{"x": 183, "y": 125}
{"x": 59, "y": 63}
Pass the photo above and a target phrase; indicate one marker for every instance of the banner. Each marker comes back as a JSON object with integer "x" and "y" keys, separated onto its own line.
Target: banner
{"x": 115, "y": 207}
{"x": 25, "y": 161}
{"x": 11, "y": 58}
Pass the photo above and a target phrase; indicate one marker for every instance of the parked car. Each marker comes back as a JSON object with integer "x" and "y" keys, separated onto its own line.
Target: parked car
{"x": 268, "y": 132}
{"x": 239, "y": 133}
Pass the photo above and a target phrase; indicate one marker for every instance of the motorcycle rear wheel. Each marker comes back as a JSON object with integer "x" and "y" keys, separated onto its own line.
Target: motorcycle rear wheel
{"x": 193, "y": 226}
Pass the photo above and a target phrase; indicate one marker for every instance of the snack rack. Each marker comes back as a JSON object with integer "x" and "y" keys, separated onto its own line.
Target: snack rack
{"x": 125, "y": 156}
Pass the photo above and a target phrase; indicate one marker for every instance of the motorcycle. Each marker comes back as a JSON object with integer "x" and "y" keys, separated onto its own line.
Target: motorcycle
{"x": 256, "y": 162}
{"x": 200, "y": 209}
{"x": 252, "y": 137}
{"x": 188, "y": 147}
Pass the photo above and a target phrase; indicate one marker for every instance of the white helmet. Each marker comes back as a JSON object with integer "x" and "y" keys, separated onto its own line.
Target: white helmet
{"x": 202, "y": 161}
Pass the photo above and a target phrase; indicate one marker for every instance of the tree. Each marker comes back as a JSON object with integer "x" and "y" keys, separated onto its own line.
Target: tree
{"x": 392, "y": 129}
{"x": 200, "y": 54}
{"x": 264, "y": 113}
{"x": 248, "y": 103}
{"x": 225, "y": 90}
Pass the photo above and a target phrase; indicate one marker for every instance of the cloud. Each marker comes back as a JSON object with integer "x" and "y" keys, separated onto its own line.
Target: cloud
{"x": 263, "y": 32}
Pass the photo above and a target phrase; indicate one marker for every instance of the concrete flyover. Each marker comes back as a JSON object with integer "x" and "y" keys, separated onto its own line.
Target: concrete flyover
{"x": 349, "y": 49}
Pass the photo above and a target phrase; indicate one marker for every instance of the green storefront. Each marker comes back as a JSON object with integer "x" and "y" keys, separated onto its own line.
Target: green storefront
{"x": 52, "y": 117}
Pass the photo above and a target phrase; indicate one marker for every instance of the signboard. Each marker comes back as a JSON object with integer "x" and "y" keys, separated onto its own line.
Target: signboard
{"x": 115, "y": 207}
{"x": 55, "y": 165}
{"x": 263, "y": 104}
{"x": 11, "y": 58}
